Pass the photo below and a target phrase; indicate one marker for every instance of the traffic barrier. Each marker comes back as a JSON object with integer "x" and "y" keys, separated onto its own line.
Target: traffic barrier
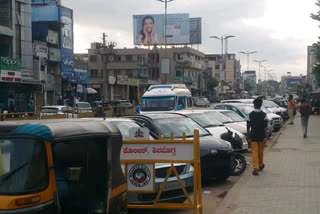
{"x": 140, "y": 156}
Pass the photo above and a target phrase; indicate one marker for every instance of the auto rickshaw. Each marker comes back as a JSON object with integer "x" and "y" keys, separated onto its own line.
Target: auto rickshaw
{"x": 60, "y": 167}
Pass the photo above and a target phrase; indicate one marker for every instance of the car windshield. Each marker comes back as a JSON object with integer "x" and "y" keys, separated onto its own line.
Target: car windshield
{"x": 246, "y": 109}
{"x": 125, "y": 126}
{"x": 23, "y": 166}
{"x": 158, "y": 104}
{"x": 178, "y": 126}
{"x": 83, "y": 105}
{"x": 233, "y": 116}
{"x": 223, "y": 119}
{"x": 205, "y": 120}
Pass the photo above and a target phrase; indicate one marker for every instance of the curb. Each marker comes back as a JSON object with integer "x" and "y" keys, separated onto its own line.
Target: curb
{"x": 231, "y": 200}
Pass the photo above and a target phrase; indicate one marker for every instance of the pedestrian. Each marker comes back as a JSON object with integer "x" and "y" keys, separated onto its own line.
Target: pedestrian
{"x": 291, "y": 109}
{"x": 305, "y": 111}
{"x": 100, "y": 112}
{"x": 257, "y": 127}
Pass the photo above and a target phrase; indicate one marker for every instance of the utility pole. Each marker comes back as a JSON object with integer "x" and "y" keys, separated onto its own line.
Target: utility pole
{"x": 248, "y": 56}
{"x": 259, "y": 61}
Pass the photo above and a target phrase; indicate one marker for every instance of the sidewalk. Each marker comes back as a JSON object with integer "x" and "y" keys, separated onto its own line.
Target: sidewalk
{"x": 290, "y": 182}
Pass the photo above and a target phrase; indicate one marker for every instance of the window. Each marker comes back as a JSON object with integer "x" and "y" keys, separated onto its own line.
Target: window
{"x": 6, "y": 16}
{"x": 117, "y": 58}
{"x": 5, "y": 46}
{"x": 18, "y": 41}
{"x": 217, "y": 67}
{"x": 179, "y": 57}
{"x": 179, "y": 73}
{"x": 23, "y": 168}
{"x": 224, "y": 67}
{"x": 182, "y": 102}
{"x": 129, "y": 58}
{"x": 93, "y": 73}
{"x": 93, "y": 58}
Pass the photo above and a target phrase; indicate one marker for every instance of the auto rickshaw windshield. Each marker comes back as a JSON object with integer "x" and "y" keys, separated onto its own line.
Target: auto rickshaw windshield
{"x": 23, "y": 166}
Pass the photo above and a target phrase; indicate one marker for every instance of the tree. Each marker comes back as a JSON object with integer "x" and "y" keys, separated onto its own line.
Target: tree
{"x": 212, "y": 83}
{"x": 316, "y": 69}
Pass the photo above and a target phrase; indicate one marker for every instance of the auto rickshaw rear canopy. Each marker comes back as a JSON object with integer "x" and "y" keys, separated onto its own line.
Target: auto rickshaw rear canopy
{"x": 56, "y": 130}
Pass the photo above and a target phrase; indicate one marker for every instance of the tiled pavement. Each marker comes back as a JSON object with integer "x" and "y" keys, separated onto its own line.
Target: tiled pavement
{"x": 290, "y": 182}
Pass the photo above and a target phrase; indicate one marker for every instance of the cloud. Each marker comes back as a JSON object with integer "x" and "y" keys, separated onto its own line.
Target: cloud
{"x": 279, "y": 30}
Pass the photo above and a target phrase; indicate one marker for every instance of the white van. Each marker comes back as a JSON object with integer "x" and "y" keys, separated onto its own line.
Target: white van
{"x": 170, "y": 97}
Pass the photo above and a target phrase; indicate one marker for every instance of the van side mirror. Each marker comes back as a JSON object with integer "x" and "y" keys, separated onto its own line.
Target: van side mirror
{"x": 138, "y": 109}
{"x": 179, "y": 107}
{"x": 73, "y": 173}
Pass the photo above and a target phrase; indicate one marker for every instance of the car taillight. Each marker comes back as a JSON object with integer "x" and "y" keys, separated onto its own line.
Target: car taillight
{"x": 28, "y": 200}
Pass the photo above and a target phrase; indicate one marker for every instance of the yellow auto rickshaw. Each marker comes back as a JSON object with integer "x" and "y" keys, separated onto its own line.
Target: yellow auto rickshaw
{"x": 60, "y": 167}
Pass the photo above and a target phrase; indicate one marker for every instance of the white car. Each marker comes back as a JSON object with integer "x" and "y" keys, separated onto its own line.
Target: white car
{"x": 83, "y": 107}
{"x": 202, "y": 102}
{"x": 56, "y": 110}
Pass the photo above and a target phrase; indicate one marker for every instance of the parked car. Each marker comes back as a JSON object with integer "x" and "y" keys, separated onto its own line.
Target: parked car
{"x": 215, "y": 127}
{"x": 202, "y": 102}
{"x": 83, "y": 107}
{"x": 237, "y": 122}
{"x": 245, "y": 109}
{"x": 172, "y": 191}
{"x": 216, "y": 155}
{"x": 56, "y": 110}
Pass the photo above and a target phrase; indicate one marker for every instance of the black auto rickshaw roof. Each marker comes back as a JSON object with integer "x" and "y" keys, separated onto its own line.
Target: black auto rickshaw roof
{"x": 53, "y": 130}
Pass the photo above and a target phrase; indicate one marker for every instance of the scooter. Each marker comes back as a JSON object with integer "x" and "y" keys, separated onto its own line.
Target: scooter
{"x": 239, "y": 160}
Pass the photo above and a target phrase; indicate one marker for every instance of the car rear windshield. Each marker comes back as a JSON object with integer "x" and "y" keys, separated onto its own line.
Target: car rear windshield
{"x": 223, "y": 119}
{"x": 233, "y": 116}
{"x": 124, "y": 127}
{"x": 158, "y": 104}
{"x": 23, "y": 166}
{"x": 84, "y": 105}
{"x": 246, "y": 109}
{"x": 50, "y": 110}
{"x": 178, "y": 126}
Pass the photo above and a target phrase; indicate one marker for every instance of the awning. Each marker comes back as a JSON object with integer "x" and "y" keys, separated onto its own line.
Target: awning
{"x": 6, "y": 31}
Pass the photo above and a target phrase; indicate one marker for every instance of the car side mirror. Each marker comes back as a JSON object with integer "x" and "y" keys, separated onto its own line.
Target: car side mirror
{"x": 138, "y": 109}
{"x": 179, "y": 107}
{"x": 73, "y": 173}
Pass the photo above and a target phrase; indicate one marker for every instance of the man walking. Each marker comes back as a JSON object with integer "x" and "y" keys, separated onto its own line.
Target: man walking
{"x": 291, "y": 109}
{"x": 305, "y": 110}
{"x": 257, "y": 127}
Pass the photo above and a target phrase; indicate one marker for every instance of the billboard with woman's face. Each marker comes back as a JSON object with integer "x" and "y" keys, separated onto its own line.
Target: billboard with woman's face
{"x": 150, "y": 29}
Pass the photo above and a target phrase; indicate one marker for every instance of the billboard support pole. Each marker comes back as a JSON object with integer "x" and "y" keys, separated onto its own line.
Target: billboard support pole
{"x": 165, "y": 32}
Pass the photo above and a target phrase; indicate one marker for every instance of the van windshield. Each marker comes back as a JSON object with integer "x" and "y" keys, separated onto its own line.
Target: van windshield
{"x": 158, "y": 103}
{"x": 23, "y": 166}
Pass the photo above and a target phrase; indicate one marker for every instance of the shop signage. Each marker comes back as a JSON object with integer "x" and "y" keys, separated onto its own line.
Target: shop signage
{"x": 140, "y": 177}
{"x": 10, "y": 70}
{"x": 122, "y": 80}
{"x": 133, "y": 82}
{"x": 54, "y": 55}
{"x": 40, "y": 50}
{"x": 112, "y": 80}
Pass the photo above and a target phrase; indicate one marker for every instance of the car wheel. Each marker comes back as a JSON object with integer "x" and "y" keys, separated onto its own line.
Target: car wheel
{"x": 240, "y": 164}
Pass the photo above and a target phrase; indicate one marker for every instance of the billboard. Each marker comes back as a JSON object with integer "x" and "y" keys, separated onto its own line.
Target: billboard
{"x": 150, "y": 29}
{"x": 10, "y": 70}
{"x": 291, "y": 83}
{"x": 195, "y": 31}
{"x": 66, "y": 43}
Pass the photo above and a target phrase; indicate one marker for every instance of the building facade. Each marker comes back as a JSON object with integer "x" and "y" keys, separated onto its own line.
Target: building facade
{"x": 226, "y": 68}
{"x": 310, "y": 65}
{"x": 289, "y": 83}
{"x": 125, "y": 74}
{"x": 17, "y": 79}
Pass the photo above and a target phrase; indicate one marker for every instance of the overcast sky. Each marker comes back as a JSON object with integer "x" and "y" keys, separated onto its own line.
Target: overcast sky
{"x": 279, "y": 30}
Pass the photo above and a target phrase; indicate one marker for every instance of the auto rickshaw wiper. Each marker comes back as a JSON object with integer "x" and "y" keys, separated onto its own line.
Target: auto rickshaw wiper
{"x": 6, "y": 177}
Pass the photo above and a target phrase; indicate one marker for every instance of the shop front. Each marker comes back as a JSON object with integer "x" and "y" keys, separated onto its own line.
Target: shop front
{"x": 121, "y": 88}
{"x": 133, "y": 91}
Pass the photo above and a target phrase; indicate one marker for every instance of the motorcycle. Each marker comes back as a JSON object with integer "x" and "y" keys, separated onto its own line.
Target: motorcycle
{"x": 239, "y": 160}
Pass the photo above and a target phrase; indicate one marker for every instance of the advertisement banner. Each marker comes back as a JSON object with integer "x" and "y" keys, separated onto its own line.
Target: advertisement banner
{"x": 150, "y": 29}
{"x": 81, "y": 77}
{"x": 291, "y": 83}
{"x": 195, "y": 31}
{"x": 133, "y": 82}
{"x": 112, "y": 80}
{"x": 165, "y": 66}
{"x": 10, "y": 70}
{"x": 66, "y": 43}
{"x": 40, "y": 49}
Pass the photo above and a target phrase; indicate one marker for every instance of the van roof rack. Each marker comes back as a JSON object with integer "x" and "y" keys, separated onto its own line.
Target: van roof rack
{"x": 172, "y": 86}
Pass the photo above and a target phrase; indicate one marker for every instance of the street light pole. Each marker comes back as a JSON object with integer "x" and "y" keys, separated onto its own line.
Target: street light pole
{"x": 265, "y": 71}
{"x": 248, "y": 56}
{"x": 259, "y": 61}
{"x": 165, "y": 30}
